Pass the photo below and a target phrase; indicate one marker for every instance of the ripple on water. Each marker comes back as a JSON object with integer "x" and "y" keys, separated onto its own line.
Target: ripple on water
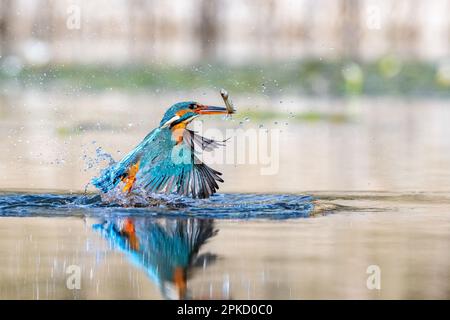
{"x": 221, "y": 206}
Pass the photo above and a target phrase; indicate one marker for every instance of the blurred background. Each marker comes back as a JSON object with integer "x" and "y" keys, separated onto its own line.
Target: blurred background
{"x": 359, "y": 89}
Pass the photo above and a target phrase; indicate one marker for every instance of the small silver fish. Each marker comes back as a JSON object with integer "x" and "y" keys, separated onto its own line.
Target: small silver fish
{"x": 228, "y": 103}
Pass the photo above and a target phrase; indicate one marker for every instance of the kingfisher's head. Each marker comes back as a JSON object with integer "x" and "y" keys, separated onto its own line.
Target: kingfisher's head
{"x": 185, "y": 112}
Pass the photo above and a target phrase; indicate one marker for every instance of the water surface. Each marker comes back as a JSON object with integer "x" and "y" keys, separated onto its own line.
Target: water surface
{"x": 219, "y": 206}
{"x": 257, "y": 246}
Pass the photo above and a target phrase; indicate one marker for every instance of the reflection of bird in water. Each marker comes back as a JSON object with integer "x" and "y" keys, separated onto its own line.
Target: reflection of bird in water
{"x": 166, "y": 248}
{"x": 165, "y": 160}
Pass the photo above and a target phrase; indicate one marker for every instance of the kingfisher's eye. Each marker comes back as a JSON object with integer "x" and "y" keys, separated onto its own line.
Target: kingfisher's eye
{"x": 192, "y": 106}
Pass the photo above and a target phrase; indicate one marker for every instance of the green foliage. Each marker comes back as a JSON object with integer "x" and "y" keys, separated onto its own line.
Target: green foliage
{"x": 313, "y": 77}
{"x": 262, "y": 116}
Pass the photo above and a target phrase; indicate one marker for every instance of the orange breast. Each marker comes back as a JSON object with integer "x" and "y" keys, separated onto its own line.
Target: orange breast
{"x": 177, "y": 132}
{"x": 131, "y": 177}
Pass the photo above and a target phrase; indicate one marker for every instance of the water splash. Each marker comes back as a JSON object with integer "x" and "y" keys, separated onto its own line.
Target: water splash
{"x": 220, "y": 206}
{"x": 94, "y": 163}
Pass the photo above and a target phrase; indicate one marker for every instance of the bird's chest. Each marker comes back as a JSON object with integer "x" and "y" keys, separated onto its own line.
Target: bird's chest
{"x": 177, "y": 133}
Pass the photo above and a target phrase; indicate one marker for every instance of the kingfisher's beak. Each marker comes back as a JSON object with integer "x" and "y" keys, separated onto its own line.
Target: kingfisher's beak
{"x": 203, "y": 109}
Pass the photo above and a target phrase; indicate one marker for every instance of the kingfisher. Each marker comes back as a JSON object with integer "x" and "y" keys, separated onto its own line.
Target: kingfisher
{"x": 165, "y": 161}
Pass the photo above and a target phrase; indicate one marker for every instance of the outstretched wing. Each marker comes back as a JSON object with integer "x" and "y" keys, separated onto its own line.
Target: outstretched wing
{"x": 166, "y": 166}
{"x": 112, "y": 175}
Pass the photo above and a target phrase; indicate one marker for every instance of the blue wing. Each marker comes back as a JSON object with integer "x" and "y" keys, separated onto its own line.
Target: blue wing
{"x": 167, "y": 166}
{"x": 112, "y": 175}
